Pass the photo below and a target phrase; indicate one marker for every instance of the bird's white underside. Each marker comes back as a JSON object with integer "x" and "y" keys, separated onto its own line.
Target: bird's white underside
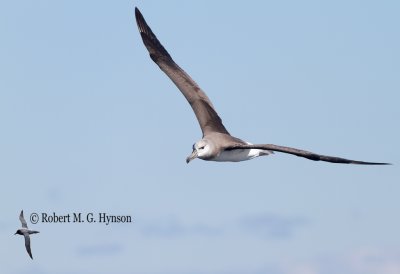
{"x": 239, "y": 155}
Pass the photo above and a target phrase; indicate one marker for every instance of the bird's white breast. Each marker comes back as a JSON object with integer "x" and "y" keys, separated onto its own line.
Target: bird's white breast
{"x": 238, "y": 155}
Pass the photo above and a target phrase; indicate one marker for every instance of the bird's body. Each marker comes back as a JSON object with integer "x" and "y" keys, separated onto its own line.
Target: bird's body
{"x": 24, "y": 231}
{"x": 207, "y": 149}
{"x": 217, "y": 144}
{"x": 239, "y": 155}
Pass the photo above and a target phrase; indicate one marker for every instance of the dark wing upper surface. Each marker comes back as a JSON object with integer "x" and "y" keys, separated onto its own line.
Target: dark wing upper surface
{"x": 28, "y": 244}
{"x": 303, "y": 153}
{"x": 204, "y": 110}
{"x": 21, "y": 218}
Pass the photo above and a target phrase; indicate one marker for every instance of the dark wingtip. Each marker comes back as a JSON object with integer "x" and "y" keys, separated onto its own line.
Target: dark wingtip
{"x": 369, "y": 163}
{"x": 156, "y": 50}
{"x": 138, "y": 15}
{"x": 141, "y": 23}
{"x": 380, "y": 164}
{"x": 137, "y": 11}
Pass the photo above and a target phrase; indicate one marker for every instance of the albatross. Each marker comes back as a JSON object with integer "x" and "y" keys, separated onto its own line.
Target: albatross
{"x": 217, "y": 143}
{"x": 26, "y": 232}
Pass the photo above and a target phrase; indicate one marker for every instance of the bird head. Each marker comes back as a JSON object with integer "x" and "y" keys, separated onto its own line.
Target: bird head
{"x": 201, "y": 149}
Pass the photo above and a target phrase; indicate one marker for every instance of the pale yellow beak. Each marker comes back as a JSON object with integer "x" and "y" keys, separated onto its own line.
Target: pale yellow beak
{"x": 191, "y": 156}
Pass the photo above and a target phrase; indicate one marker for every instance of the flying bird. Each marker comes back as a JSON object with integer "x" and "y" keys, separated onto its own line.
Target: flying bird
{"x": 25, "y": 232}
{"x": 217, "y": 144}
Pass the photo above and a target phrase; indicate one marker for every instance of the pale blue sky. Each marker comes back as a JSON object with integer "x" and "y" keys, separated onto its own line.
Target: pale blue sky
{"x": 90, "y": 124}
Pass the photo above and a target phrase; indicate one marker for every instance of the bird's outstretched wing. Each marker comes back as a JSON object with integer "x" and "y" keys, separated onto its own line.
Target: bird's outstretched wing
{"x": 21, "y": 218}
{"x": 302, "y": 153}
{"x": 204, "y": 110}
{"x": 28, "y": 244}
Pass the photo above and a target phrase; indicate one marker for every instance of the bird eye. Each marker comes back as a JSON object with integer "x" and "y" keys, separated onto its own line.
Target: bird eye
{"x": 201, "y": 147}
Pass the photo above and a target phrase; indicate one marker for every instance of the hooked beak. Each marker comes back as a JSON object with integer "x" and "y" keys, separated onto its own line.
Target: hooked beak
{"x": 191, "y": 156}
